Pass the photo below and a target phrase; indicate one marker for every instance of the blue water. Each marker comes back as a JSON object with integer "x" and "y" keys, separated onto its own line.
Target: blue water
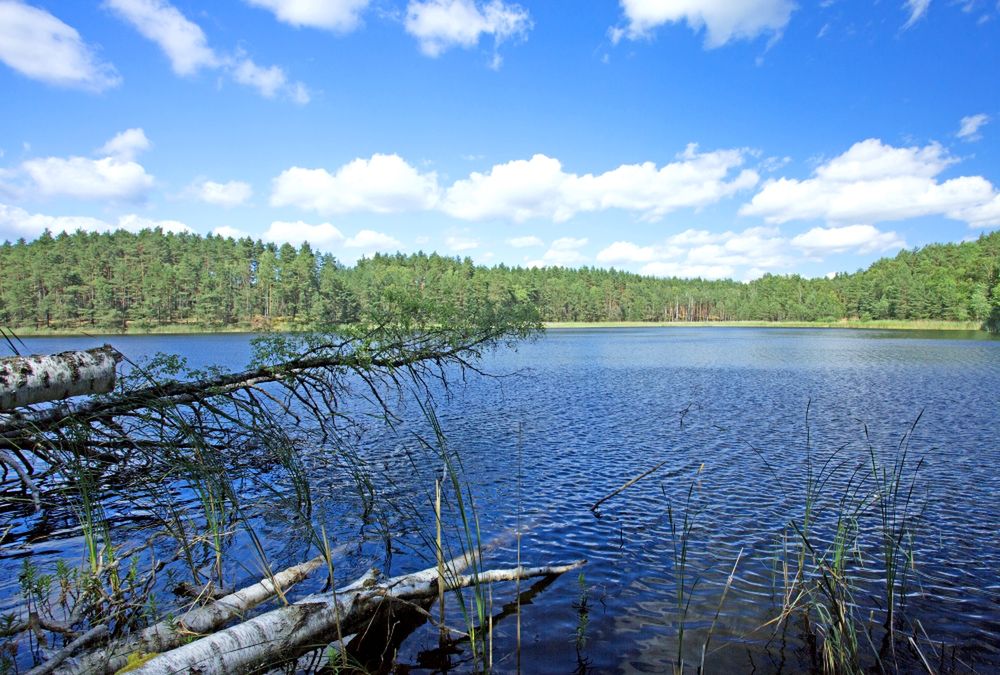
{"x": 737, "y": 416}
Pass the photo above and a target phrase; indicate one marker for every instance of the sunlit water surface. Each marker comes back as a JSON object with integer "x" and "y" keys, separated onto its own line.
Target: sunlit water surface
{"x": 725, "y": 409}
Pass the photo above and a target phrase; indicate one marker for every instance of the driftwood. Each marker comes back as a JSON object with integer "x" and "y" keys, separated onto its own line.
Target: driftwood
{"x": 92, "y": 635}
{"x": 626, "y": 486}
{"x": 169, "y": 634}
{"x": 25, "y": 380}
{"x": 308, "y": 623}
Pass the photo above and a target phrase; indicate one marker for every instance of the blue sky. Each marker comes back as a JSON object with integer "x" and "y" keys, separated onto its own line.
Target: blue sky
{"x": 714, "y": 138}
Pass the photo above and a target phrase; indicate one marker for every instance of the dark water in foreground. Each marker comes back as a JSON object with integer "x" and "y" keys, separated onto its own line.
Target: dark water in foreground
{"x": 726, "y": 410}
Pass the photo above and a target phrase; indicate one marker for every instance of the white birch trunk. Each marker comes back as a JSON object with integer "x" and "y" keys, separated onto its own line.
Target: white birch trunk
{"x": 309, "y": 623}
{"x": 39, "y": 378}
{"x": 169, "y": 634}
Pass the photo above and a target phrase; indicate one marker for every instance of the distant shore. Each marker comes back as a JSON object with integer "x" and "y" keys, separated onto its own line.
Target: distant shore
{"x": 193, "y": 329}
{"x": 920, "y": 324}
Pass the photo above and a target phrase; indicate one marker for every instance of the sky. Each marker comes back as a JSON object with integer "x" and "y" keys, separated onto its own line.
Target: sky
{"x": 692, "y": 138}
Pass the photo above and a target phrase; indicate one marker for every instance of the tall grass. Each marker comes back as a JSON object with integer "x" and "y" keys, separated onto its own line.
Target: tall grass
{"x": 857, "y": 517}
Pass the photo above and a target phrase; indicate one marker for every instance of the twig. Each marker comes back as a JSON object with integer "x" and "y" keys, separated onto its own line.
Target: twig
{"x": 626, "y": 486}
{"x": 95, "y": 633}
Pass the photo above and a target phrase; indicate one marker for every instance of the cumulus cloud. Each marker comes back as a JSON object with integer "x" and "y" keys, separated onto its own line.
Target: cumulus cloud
{"x": 232, "y": 193}
{"x": 564, "y": 252}
{"x": 38, "y": 45}
{"x": 181, "y": 40}
{"x": 748, "y": 254}
{"x": 230, "y": 232}
{"x": 459, "y": 243}
{"x": 323, "y": 235}
{"x": 518, "y": 190}
{"x": 15, "y": 223}
{"x": 859, "y": 238}
{"x": 687, "y": 271}
{"x": 626, "y": 252}
{"x": 268, "y": 81}
{"x": 439, "y": 25}
{"x": 700, "y": 253}
{"x": 187, "y": 48}
{"x": 525, "y": 242}
{"x": 917, "y": 9}
{"x": 969, "y": 126}
{"x": 540, "y": 188}
{"x": 116, "y": 176}
{"x": 339, "y": 16}
{"x": 370, "y": 241}
{"x": 874, "y": 182}
{"x": 381, "y": 184}
{"x": 126, "y": 145}
{"x": 722, "y": 20}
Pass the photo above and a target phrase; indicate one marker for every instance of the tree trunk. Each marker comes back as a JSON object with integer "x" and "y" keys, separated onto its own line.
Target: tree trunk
{"x": 35, "y": 379}
{"x": 309, "y": 623}
{"x": 167, "y": 635}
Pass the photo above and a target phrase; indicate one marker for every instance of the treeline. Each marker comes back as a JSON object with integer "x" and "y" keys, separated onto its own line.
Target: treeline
{"x": 114, "y": 280}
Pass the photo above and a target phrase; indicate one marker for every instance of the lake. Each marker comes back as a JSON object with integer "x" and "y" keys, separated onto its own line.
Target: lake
{"x": 740, "y": 418}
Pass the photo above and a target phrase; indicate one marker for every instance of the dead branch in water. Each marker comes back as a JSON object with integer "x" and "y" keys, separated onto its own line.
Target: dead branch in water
{"x": 306, "y": 624}
{"x": 626, "y": 486}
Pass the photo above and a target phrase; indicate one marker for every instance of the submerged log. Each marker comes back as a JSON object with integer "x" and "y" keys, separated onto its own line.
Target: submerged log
{"x": 308, "y": 623}
{"x": 167, "y": 635}
{"x": 25, "y": 380}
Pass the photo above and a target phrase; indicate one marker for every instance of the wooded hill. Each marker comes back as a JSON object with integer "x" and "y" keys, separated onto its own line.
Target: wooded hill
{"x": 93, "y": 281}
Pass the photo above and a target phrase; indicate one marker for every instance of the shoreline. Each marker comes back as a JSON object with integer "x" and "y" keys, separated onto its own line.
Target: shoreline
{"x": 887, "y": 324}
{"x": 185, "y": 329}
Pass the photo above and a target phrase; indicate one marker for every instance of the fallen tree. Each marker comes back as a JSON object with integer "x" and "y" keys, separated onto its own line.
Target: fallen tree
{"x": 313, "y": 622}
{"x": 166, "y": 635}
{"x": 39, "y": 378}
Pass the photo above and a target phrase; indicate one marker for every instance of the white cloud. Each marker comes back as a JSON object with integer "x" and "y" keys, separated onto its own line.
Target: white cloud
{"x": 371, "y": 241}
{"x": 181, "y": 40}
{"x": 565, "y": 252}
{"x": 323, "y": 235}
{"x": 381, "y": 184}
{"x": 969, "y": 126}
{"x": 106, "y": 178}
{"x": 986, "y": 214}
{"x": 339, "y": 16}
{"x": 185, "y": 44}
{"x": 539, "y": 188}
{"x": 917, "y": 9}
{"x": 626, "y": 252}
{"x": 525, "y": 242}
{"x": 710, "y": 255}
{"x": 518, "y": 190}
{"x": 268, "y": 81}
{"x": 723, "y": 20}
{"x": 874, "y": 182}
{"x": 15, "y": 222}
{"x": 116, "y": 176}
{"x": 860, "y": 238}
{"x": 38, "y": 45}
{"x": 460, "y": 243}
{"x": 230, "y": 232}
{"x": 688, "y": 271}
{"x": 126, "y": 145}
{"x": 299, "y": 93}
{"x": 232, "y": 193}
{"x": 134, "y": 223}
{"x": 440, "y": 25}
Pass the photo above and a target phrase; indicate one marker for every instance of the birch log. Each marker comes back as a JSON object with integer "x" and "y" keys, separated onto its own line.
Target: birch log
{"x": 308, "y": 623}
{"x": 169, "y": 634}
{"x": 39, "y": 378}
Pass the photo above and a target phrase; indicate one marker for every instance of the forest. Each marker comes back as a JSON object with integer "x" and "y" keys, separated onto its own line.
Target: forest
{"x": 122, "y": 280}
